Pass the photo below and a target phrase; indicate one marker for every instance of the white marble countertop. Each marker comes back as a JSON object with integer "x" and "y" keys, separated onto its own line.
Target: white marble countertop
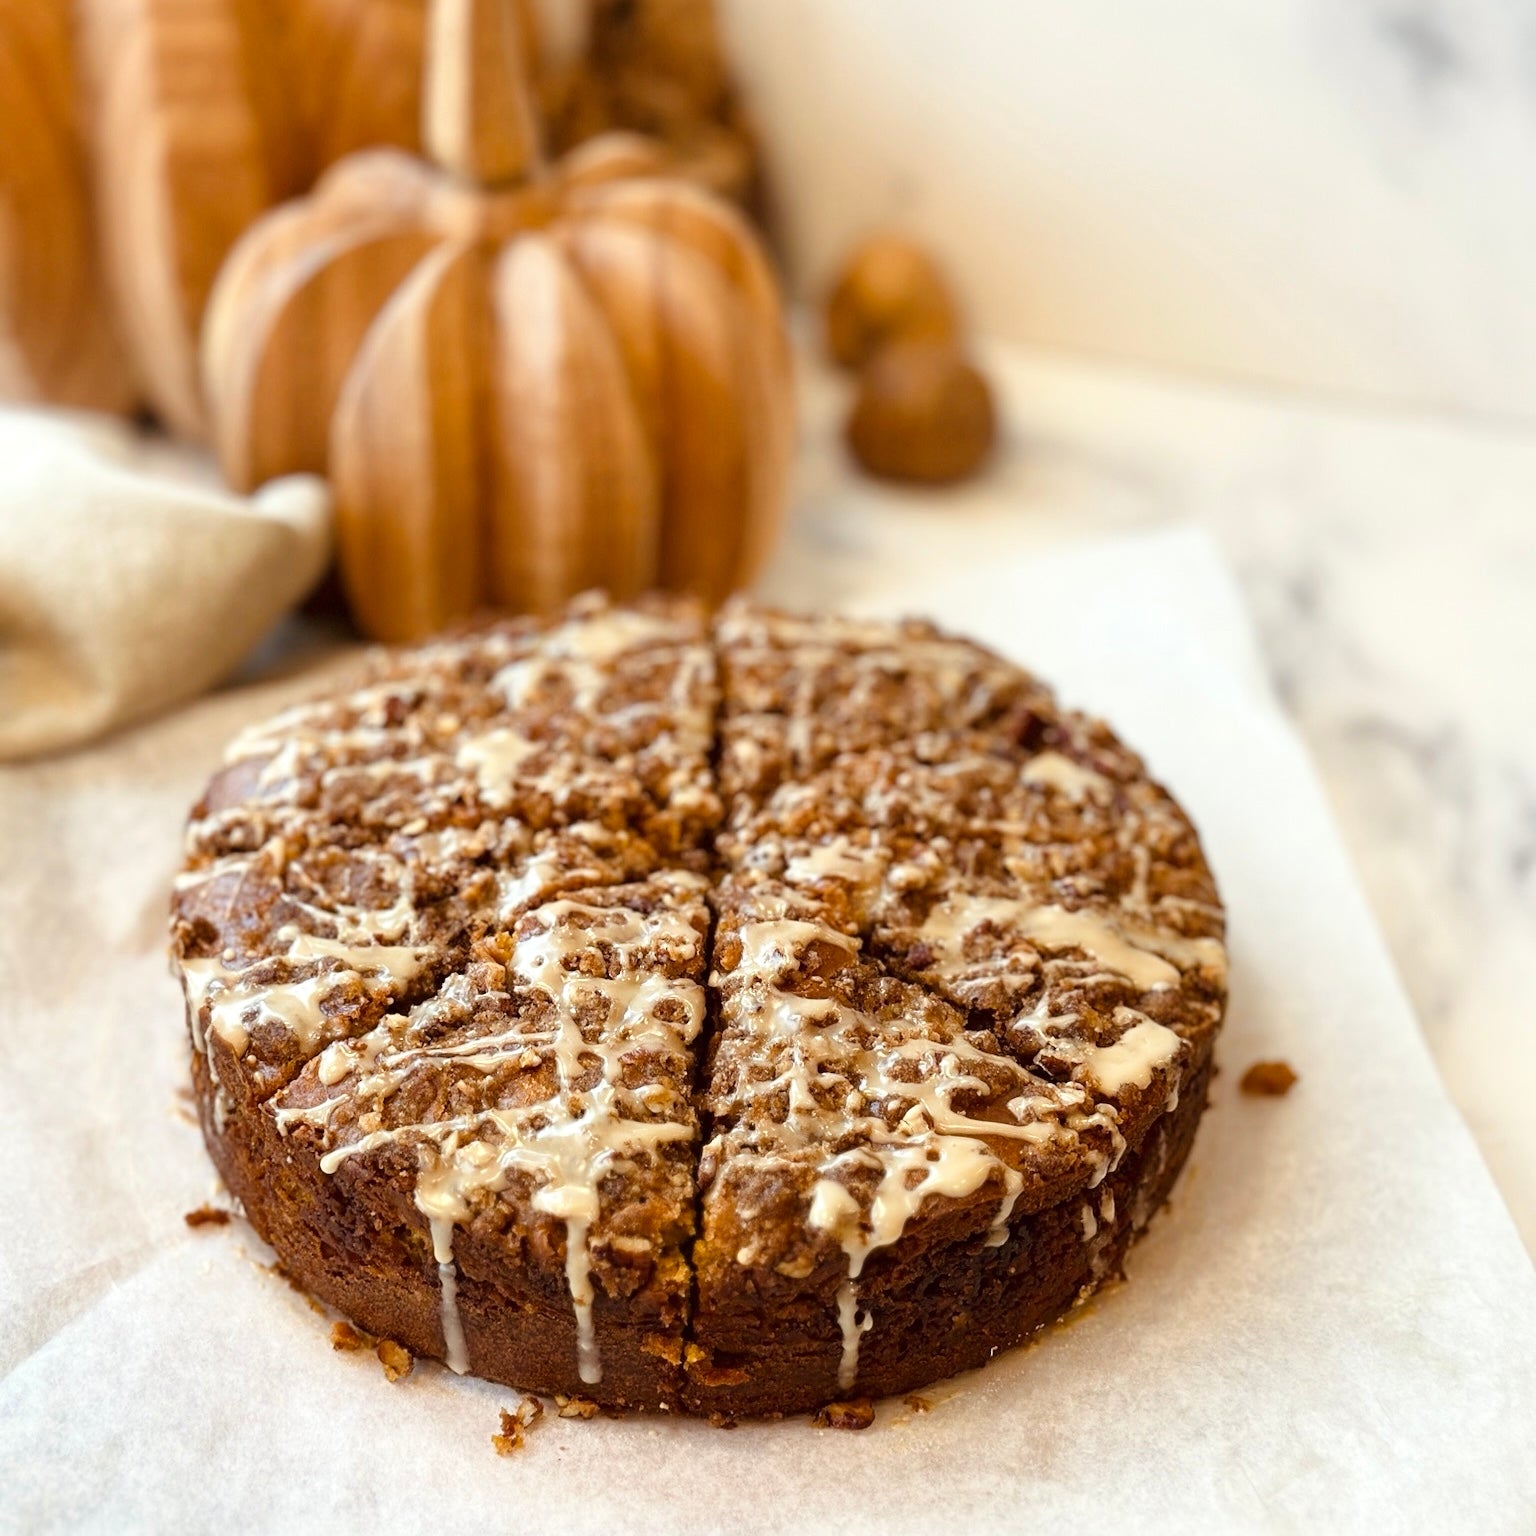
{"x": 1389, "y": 557}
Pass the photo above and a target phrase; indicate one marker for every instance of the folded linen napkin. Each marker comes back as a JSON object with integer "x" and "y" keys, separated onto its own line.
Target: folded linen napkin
{"x": 129, "y": 578}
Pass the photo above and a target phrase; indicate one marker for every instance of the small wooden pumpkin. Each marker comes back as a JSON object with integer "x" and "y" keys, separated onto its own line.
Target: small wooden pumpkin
{"x": 59, "y": 343}
{"x": 523, "y": 379}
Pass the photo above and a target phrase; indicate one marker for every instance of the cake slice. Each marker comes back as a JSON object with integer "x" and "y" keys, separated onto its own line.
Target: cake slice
{"x": 868, "y": 1158}
{"x": 503, "y": 1175}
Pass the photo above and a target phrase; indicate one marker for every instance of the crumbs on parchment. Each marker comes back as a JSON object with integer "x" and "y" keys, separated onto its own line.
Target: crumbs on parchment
{"x": 858, "y": 1413}
{"x": 1268, "y": 1079}
{"x": 396, "y": 1359}
{"x": 207, "y": 1216}
{"x": 515, "y": 1424}
{"x": 345, "y": 1336}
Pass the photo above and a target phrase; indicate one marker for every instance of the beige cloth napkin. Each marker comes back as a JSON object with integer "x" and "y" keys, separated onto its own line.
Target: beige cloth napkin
{"x": 129, "y": 578}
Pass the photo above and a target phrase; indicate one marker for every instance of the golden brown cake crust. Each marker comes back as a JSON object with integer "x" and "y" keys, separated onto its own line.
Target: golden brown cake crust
{"x": 719, "y": 1015}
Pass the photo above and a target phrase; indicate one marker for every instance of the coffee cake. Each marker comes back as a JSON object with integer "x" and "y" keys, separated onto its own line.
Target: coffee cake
{"x": 721, "y": 1015}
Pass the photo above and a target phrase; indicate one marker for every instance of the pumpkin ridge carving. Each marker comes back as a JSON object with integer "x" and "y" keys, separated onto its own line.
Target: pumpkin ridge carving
{"x": 523, "y": 379}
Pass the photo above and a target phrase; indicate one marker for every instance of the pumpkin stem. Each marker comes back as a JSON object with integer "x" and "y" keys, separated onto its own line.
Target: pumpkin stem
{"x": 478, "y": 119}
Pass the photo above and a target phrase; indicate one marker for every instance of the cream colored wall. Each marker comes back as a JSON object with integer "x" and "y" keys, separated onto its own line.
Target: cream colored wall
{"x": 1333, "y": 193}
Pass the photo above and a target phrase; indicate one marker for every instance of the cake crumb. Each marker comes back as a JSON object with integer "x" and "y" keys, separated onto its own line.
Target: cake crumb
{"x": 718, "y": 1420}
{"x": 574, "y": 1407}
{"x": 858, "y": 1413}
{"x": 515, "y": 1424}
{"x": 345, "y": 1336}
{"x": 1268, "y": 1079}
{"x": 917, "y": 1404}
{"x": 207, "y": 1216}
{"x": 395, "y": 1358}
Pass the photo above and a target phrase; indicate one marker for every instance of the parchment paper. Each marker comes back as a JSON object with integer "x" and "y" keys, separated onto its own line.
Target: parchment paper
{"x": 1333, "y": 1328}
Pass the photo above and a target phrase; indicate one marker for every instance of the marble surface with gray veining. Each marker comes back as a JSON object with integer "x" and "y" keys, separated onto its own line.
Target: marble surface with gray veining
{"x": 1389, "y": 560}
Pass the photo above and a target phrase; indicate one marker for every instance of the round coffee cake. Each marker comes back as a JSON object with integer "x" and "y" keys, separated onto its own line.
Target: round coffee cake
{"x": 725, "y": 1016}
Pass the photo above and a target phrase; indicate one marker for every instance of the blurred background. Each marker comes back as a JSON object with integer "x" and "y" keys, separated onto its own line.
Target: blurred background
{"x": 1334, "y": 196}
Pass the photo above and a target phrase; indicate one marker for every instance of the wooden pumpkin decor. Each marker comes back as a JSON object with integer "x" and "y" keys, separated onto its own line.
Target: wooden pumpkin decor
{"x": 59, "y": 343}
{"x": 524, "y": 379}
{"x": 140, "y": 138}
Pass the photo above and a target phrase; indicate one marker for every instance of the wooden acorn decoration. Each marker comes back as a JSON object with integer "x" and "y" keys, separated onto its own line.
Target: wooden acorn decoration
{"x": 523, "y": 379}
{"x": 922, "y": 413}
{"x": 888, "y": 289}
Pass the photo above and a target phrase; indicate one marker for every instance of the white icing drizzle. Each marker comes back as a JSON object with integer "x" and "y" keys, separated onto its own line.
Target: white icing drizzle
{"x": 1059, "y": 772}
{"x": 772, "y": 948}
{"x": 582, "y": 652}
{"x": 494, "y": 758}
{"x": 224, "y": 1000}
{"x": 362, "y": 925}
{"x": 577, "y": 1206}
{"x": 853, "y": 1325}
{"x": 399, "y": 962}
{"x": 1143, "y": 956}
{"x": 1146, "y": 1047}
{"x": 600, "y": 638}
{"x": 541, "y": 877}
{"x": 873, "y": 650}
{"x": 455, "y": 1347}
{"x": 864, "y": 659}
{"x": 215, "y": 1006}
{"x": 589, "y": 1124}
{"x": 838, "y": 859}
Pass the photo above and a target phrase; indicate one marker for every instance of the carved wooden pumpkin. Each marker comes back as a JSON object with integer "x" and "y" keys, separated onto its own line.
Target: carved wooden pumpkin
{"x": 524, "y": 380}
{"x": 59, "y": 343}
{"x": 170, "y": 125}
